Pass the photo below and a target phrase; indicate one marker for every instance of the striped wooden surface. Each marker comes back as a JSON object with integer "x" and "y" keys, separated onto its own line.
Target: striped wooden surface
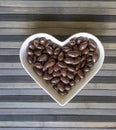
{"x": 23, "y": 104}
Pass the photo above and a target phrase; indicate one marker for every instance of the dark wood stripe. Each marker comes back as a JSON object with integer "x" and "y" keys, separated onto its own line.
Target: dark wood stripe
{"x": 13, "y": 37}
{"x": 46, "y": 98}
{"x": 101, "y": 118}
{"x": 15, "y": 58}
{"x": 28, "y": 79}
{"x": 57, "y": 17}
{"x": 106, "y": 39}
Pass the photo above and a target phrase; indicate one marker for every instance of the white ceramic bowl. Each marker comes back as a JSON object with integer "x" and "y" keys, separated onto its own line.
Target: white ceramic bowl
{"x": 62, "y": 100}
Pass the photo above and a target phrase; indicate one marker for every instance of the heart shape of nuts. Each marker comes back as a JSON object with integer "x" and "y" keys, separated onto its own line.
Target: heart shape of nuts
{"x": 62, "y": 69}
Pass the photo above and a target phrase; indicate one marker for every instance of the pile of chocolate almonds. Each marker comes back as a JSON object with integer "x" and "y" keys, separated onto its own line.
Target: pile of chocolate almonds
{"x": 63, "y": 66}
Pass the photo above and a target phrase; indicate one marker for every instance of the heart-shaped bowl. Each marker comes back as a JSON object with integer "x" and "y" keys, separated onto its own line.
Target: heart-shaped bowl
{"x": 62, "y": 100}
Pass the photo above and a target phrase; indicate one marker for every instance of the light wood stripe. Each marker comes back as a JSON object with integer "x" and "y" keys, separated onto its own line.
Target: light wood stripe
{"x": 19, "y": 66}
{"x": 61, "y": 128}
{"x": 10, "y": 44}
{"x": 35, "y": 86}
{"x": 57, "y": 112}
{"x": 57, "y": 31}
{"x": 59, "y": 10}
{"x": 57, "y": 124}
{"x": 42, "y": 92}
{"x": 21, "y": 72}
{"x": 111, "y": 46}
{"x": 80, "y": 4}
{"x": 48, "y": 24}
{"x": 7, "y": 44}
{"x": 16, "y": 105}
{"x": 10, "y": 65}
{"x": 109, "y": 67}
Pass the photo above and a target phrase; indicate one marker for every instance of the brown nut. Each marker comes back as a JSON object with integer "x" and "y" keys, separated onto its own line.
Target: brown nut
{"x": 95, "y": 58}
{"x": 92, "y": 43}
{"x": 86, "y": 69}
{"x": 37, "y": 52}
{"x": 50, "y": 70}
{"x": 47, "y": 77}
{"x": 64, "y": 72}
{"x": 60, "y": 86}
{"x": 80, "y": 74}
{"x": 38, "y": 65}
{"x": 55, "y": 80}
{"x": 73, "y": 53}
{"x": 72, "y": 83}
{"x": 38, "y": 71}
{"x": 86, "y": 51}
{"x": 42, "y": 58}
{"x": 49, "y": 50}
{"x": 29, "y": 59}
{"x": 62, "y": 64}
{"x": 65, "y": 80}
{"x": 66, "y": 48}
{"x": 71, "y": 68}
{"x": 56, "y": 74}
{"x": 30, "y": 52}
{"x": 40, "y": 47}
{"x": 83, "y": 45}
{"x": 56, "y": 68}
{"x": 72, "y": 42}
{"x": 57, "y": 51}
{"x": 61, "y": 56}
{"x": 77, "y": 78}
{"x": 70, "y": 75}
{"x": 48, "y": 64}
{"x": 68, "y": 87}
{"x": 31, "y": 46}
{"x": 68, "y": 60}
{"x": 79, "y": 40}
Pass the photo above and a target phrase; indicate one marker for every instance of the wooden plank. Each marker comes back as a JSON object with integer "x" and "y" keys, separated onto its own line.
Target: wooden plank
{"x": 10, "y": 51}
{"x": 94, "y": 4}
{"x": 57, "y": 31}
{"x": 48, "y": 24}
{"x": 59, "y": 10}
{"x": 48, "y": 99}
{"x": 22, "y": 72}
{"x": 8, "y": 45}
{"x": 58, "y": 17}
{"x": 61, "y": 128}
{"x": 34, "y": 85}
{"x": 10, "y": 65}
{"x": 15, "y": 59}
{"x": 42, "y": 92}
{"x": 63, "y": 118}
{"x": 28, "y": 79}
{"x": 28, "y": 105}
{"x": 71, "y": 125}
{"x": 15, "y": 51}
{"x": 57, "y": 112}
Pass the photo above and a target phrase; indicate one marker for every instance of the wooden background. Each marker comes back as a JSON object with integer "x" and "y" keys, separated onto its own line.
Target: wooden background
{"x": 25, "y": 106}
